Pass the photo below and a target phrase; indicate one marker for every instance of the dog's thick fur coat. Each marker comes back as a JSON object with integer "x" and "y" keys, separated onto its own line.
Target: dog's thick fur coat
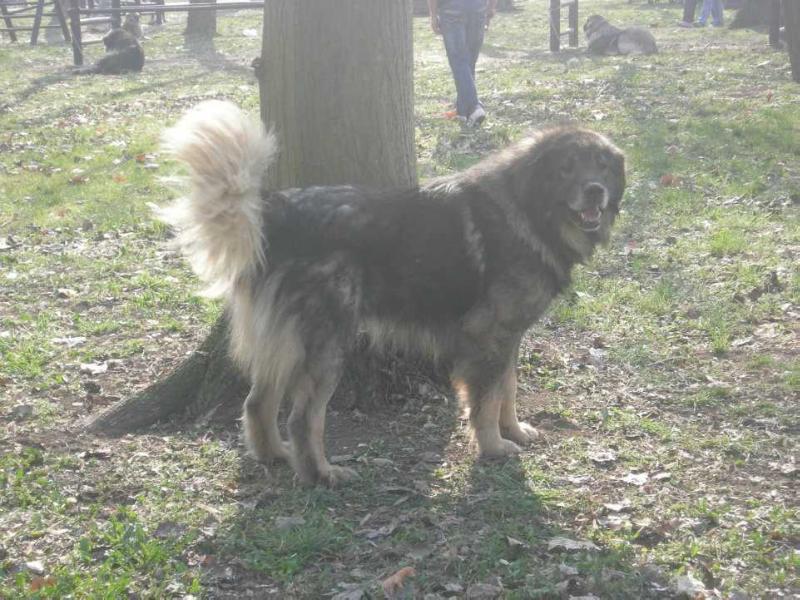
{"x": 605, "y": 39}
{"x": 458, "y": 268}
{"x": 124, "y": 53}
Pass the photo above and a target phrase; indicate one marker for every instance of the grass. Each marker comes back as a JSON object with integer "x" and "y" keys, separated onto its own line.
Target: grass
{"x": 674, "y": 355}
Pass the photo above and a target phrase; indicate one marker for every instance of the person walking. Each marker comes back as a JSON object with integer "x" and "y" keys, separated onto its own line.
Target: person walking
{"x": 688, "y": 13}
{"x": 712, "y": 8}
{"x": 461, "y": 24}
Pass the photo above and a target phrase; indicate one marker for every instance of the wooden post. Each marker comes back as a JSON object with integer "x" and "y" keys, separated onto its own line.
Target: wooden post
{"x": 573, "y": 24}
{"x": 555, "y": 25}
{"x": 775, "y": 23}
{"x": 75, "y": 27}
{"x": 160, "y": 13}
{"x": 11, "y": 33}
{"x": 37, "y": 22}
{"x": 62, "y": 20}
{"x": 116, "y": 18}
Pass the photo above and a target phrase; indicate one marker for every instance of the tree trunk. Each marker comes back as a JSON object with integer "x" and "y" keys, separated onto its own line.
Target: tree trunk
{"x": 791, "y": 16}
{"x": 336, "y": 83}
{"x": 201, "y": 26}
{"x": 753, "y": 14}
{"x": 205, "y": 382}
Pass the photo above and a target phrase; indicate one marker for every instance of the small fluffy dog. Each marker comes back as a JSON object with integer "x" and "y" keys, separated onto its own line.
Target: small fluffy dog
{"x": 458, "y": 268}
{"x": 606, "y": 39}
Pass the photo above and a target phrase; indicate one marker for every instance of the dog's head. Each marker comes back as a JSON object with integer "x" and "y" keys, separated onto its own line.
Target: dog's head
{"x": 571, "y": 181}
{"x": 594, "y": 23}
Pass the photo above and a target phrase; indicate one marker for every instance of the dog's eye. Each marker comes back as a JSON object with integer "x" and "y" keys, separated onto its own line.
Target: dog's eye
{"x": 566, "y": 169}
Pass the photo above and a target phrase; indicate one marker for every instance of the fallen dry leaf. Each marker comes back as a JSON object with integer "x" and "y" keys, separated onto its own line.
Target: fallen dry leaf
{"x": 37, "y": 583}
{"x": 562, "y": 543}
{"x": 394, "y": 584}
{"x": 636, "y": 478}
{"x": 669, "y": 180}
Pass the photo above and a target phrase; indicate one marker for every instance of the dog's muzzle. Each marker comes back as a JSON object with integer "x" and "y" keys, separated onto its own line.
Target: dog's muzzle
{"x": 594, "y": 201}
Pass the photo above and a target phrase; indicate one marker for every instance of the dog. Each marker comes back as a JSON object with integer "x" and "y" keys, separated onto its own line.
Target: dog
{"x": 124, "y": 54}
{"x": 458, "y": 268}
{"x": 605, "y": 39}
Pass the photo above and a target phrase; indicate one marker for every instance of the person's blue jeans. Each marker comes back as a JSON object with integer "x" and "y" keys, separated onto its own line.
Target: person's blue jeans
{"x": 713, "y": 8}
{"x": 463, "y": 38}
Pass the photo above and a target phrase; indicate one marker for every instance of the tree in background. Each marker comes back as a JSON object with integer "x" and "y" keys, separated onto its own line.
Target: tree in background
{"x": 336, "y": 83}
{"x": 791, "y": 16}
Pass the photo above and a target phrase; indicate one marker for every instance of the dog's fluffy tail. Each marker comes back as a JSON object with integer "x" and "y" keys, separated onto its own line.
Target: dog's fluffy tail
{"x": 219, "y": 222}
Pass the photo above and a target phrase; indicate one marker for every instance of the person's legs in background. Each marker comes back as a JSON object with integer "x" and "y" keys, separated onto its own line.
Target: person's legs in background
{"x": 475, "y": 28}
{"x": 717, "y": 18}
{"x": 689, "y": 7}
{"x": 705, "y": 11}
{"x": 454, "y": 32}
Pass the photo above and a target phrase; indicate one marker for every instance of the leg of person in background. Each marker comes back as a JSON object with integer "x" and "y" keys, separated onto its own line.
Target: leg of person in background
{"x": 705, "y": 11}
{"x": 688, "y": 13}
{"x": 454, "y": 32}
{"x": 476, "y": 26}
{"x": 717, "y": 18}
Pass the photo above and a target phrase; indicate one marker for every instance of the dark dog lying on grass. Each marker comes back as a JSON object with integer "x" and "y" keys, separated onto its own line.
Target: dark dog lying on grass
{"x": 605, "y": 39}
{"x": 124, "y": 53}
{"x": 458, "y": 269}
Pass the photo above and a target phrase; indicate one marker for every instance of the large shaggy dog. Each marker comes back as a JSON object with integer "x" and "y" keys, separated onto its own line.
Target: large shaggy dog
{"x": 458, "y": 268}
{"x": 123, "y": 54}
{"x": 606, "y": 39}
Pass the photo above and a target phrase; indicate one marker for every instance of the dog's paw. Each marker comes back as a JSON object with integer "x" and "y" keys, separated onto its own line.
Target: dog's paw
{"x": 521, "y": 433}
{"x": 272, "y": 453}
{"x": 335, "y": 475}
{"x": 280, "y": 451}
{"x": 499, "y": 449}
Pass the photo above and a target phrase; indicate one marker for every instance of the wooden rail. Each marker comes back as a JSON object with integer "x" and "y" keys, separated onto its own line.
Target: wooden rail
{"x": 31, "y": 11}
{"x": 115, "y": 12}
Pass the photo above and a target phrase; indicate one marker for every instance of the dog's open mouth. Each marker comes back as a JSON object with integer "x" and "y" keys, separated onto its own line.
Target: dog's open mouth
{"x": 590, "y": 219}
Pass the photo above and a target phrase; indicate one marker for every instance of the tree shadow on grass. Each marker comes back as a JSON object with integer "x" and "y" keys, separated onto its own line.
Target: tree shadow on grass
{"x": 540, "y": 54}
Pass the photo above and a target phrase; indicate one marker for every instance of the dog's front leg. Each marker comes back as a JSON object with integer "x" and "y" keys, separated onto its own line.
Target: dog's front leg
{"x": 483, "y": 384}
{"x": 511, "y": 428}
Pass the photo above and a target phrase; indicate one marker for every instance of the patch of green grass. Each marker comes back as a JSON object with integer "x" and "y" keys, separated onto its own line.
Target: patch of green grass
{"x": 283, "y": 553}
{"x": 792, "y": 377}
{"x": 709, "y": 397}
{"x": 727, "y": 242}
{"x": 627, "y": 422}
{"x": 662, "y": 305}
{"x": 114, "y": 557}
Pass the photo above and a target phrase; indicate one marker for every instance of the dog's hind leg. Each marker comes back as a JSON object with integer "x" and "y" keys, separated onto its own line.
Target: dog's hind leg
{"x": 260, "y": 418}
{"x": 310, "y": 397}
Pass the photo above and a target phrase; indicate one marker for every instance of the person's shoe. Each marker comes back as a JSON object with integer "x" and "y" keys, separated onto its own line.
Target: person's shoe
{"x": 477, "y": 117}
{"x": 685, "y": 24}
{"x": 720, "y": 24}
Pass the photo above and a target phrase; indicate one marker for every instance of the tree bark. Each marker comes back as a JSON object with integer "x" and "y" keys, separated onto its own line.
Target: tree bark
{"x": 791, "y": 16}
{"x": 752, "y": 14}
{"x": 201, "y": 26}
{"x": 336, "y": 83}
{"x": 205, "y": 382}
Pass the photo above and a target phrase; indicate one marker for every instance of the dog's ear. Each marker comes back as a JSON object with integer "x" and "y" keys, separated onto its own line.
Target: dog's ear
{"x": 620, "y": 182}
